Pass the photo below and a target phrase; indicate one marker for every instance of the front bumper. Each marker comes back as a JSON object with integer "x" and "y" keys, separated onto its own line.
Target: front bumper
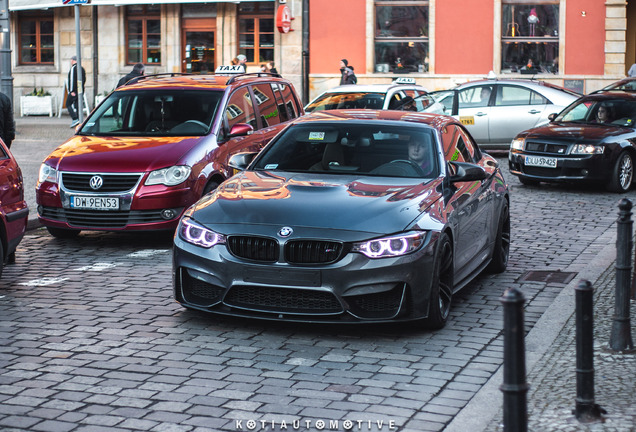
{"x": 353, "y": 289}
{"x": 584, "y": 168}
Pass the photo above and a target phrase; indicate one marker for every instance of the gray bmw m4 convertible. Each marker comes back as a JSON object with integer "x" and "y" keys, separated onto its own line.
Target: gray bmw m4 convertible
{"x": 346, "y": 217}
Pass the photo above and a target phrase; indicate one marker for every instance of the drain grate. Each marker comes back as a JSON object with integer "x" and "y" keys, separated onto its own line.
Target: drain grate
{"x": 548, "y": 276}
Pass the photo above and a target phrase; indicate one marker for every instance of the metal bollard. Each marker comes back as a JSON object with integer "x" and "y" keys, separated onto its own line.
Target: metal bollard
{"x": 514, "y": 387}
{"x": 621, "y": 338}
{"x": 586, "y": 410}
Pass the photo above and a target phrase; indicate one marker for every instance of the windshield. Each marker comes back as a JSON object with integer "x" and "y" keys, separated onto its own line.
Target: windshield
{"x": 353, "y": 100}
{"x": 154, "y": 113}
{"x": 376, "y": 150}
{"x": 617, "y": 112}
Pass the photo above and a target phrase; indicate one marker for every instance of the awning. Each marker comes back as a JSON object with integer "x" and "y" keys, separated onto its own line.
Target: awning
{"x": 15, "y": 5}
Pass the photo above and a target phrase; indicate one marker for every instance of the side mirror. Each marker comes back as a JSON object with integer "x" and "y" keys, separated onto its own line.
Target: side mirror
{"x": 241, "y": 129}
{"x": 463, "y": 172}
{"x": 240, "y": 161}
{"x": 552, "y": 116}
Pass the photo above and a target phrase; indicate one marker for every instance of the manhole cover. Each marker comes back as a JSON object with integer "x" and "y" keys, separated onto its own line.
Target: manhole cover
{"x": 548, "y": 276}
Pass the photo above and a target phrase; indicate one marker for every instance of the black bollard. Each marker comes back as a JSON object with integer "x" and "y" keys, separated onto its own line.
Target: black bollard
{"x": 621, "y": 337}
{"x": 586, "y": 410}
{"x": 514, "y": 387}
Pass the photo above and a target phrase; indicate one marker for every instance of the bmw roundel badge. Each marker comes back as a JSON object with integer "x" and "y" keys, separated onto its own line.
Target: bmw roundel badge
{"x": 285, "y": 232}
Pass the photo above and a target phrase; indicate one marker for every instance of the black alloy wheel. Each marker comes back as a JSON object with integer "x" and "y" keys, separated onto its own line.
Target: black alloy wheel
{"x": 442, "y": 285}
{"x": 501, "y": 250}
{"x": 622, "y": 174}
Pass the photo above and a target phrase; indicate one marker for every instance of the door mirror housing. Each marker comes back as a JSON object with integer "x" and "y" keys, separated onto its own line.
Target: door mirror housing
{"x": 552, "y": 116}
{"x": 241, "y": 129}
{"x": 463, "y": 172}
{"x": 241, "y": 161}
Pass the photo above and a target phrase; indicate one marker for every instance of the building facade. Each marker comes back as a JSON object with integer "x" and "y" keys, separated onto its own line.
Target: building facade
{"x": 580, "y": 44}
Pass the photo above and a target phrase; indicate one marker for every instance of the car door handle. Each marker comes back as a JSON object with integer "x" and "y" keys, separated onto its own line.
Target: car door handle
{"x": 481, "y": 114}
{"x": 534, "y": 111}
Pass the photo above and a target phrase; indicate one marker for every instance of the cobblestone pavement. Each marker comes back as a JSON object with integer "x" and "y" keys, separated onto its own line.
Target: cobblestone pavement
{"x": 91, "y": 340}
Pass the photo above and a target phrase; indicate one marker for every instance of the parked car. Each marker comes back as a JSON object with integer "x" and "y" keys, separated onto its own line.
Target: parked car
{"x": 155, "y": 146}
{"x": 593, "y": 140}
{"x": 369, "y": 96}
{"x": 628, "y": 83}
{"x": 347, "y": 216}
{"x": 495, "y": 110}
{"x": 14, "y": 211}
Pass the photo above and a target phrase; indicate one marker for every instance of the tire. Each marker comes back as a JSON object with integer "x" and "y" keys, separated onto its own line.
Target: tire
{"x": 1, "y": 258}
{"x": 528, "y": 182}
{"x": 501, "y": 251}
{"x": 622, "y": 173}
{"x": 62, "y": 233}
{"x": 442, "y": 286}
{"x": 210, "y": 187}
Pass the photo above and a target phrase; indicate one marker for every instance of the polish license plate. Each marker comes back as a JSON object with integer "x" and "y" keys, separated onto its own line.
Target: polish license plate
{"x": 541, "y": 161}
{"x": 94, "y": 203}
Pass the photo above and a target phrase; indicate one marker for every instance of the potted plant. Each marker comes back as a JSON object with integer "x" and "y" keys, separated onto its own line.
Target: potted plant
{"x": 38, "y": 102}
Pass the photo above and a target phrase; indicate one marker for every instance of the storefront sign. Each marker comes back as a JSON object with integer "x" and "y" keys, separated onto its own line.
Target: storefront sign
{"x": 283, "y": 19}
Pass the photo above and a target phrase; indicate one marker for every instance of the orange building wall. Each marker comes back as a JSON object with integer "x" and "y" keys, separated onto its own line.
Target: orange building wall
{"x": 585, "y": 37}
{"x": 337, "y": 30}
{"x": 464, "y": 36}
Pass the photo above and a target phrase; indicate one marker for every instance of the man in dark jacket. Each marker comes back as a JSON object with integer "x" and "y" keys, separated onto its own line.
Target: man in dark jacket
{"x": 7, "y": 125}
{"x": 348, "y": 77}
{"x": 137, "y": 71}
{"x": 73, "y": 92}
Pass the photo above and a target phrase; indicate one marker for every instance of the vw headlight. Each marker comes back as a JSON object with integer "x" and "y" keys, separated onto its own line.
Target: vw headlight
{"x": 196, "y": 234}
{"x": 391, "y": 246}
{"x": 587, "y": 149}
{"x": 47, "y": 174}
{"x": 169, "y": 176}
{"x": 517, "y": 144}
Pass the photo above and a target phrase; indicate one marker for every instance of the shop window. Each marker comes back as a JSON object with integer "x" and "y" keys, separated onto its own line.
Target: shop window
{"x": 530, "y": 36}
{"x": 36, "y": 37}
{"x": 143, "y": 34}
{"x": 256, "y": 31}
{"x": 401, "y": 36}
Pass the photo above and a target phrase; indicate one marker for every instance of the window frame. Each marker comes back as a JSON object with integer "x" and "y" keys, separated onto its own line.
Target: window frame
{"x": 144, "y": 17}
{"x": 257, "y": 16}
{"x": 38, "y": 17}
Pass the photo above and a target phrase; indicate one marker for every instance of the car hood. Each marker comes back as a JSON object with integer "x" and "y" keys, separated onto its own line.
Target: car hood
{"x": 121, "y": 154}
{"x": 363, "y": 204}
{"x": 576, "y": 132}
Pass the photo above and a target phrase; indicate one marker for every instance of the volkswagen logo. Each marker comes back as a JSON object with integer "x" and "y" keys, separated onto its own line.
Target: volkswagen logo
{"x": 285, "y": 232}
{"x": 96, "y": 182}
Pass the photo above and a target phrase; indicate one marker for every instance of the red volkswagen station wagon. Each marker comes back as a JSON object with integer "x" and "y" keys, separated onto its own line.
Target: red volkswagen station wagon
{"x": 157, "y": 145}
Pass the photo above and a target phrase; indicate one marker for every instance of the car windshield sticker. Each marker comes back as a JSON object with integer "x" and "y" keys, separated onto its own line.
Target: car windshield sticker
{"x": 271, "y": 166}
{"x": 455, "y": 155}
{"x": 316, "y": 136}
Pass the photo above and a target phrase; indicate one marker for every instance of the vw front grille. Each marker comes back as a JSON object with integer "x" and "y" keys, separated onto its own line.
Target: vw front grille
{"x": 111, "y": 182}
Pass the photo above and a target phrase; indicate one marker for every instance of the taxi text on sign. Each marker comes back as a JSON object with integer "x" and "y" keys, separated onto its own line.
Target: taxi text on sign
{"x": 74, "y": 2}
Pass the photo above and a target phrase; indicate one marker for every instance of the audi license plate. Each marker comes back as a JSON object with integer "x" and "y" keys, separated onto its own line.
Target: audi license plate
{"x": 94, "y": 203}
{"x": 541, "y": 161}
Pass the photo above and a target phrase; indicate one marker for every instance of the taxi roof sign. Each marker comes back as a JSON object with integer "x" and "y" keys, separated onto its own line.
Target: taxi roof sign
{"x": 404, "y": 80}
{"x": 230, "y": 69}
{"x": 74, "y": 2}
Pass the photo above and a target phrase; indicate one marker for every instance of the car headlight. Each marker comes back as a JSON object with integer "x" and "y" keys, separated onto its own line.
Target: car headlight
{"x": 169, "y": 176}
{"x": 196, "y": 234}
{"x": 47, "y": 174}
{"x": 391, "y": 246}
{"x": 517, "y": 144}
{"x": 587, "y": 149}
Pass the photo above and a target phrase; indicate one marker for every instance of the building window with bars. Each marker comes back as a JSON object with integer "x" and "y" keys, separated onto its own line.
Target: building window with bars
{"x": 36, "y": 37}
{"x": 143, "y": 34}
{"x": 530, "y": 36}
{"x": 401, "y": 36}
{"x": 256, "y": 31}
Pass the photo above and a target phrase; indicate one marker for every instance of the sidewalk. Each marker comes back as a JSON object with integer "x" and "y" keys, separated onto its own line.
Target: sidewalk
{"x": 551, "y": 367}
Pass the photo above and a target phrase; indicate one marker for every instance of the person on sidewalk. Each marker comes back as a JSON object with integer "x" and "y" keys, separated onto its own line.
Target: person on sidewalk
{"x": 348, "y": 77}
{"x": 7, "y": 125}
{"x": 137, "y": 71}
{"x": 73, "y": 91}
{"x": 271, "y": 67}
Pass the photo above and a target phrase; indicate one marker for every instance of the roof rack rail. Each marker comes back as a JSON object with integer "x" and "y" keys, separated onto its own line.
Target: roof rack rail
{"x": 251, "y": 74}
{"x": 158, "y": 75}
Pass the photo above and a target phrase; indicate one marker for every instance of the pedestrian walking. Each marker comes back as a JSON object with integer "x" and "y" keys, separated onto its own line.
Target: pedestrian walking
{"x": 632, "y": 71}
{"x": 348, "y": 76}
{"x": 137, "y": 71}
{"x": 7, "y": 125}
{"x": 271, "y": 67}
{"x": 73, "y": 91}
